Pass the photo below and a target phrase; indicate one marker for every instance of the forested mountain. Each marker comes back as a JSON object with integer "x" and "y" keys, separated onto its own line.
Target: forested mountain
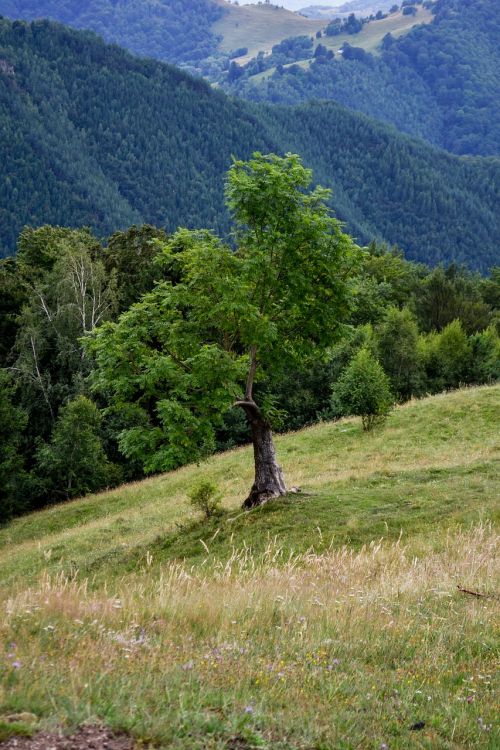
{"x": 94, "y": 136}
{"x": 440, "y": 81}
{"x": 171, "y": 30}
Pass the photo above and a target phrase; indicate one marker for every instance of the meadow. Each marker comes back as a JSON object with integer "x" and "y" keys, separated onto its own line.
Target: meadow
{"x": 259, "y": 27}
{"x": 361, "y": 612}
{"x": 369, "y": 38}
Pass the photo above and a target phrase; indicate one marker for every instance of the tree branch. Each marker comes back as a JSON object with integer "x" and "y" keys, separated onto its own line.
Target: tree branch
{"x": 251, "y": 373}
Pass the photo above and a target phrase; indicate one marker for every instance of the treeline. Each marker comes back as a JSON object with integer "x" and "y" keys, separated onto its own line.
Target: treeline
{"x": 92, "y": 136}
{"x": 430, "y": 329}
{"x": 439, "y": 82}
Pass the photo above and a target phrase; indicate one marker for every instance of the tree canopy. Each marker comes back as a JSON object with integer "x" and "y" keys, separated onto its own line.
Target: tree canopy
{"x": 223, "y": 318}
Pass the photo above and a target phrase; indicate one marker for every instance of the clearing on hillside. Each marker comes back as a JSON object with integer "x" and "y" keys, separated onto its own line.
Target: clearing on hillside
{"x": 259, "y": 27}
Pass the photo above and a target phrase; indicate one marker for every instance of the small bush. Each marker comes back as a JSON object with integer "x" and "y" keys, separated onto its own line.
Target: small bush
{"x": 363, "y": 390}
{"x": 205, "y": 496}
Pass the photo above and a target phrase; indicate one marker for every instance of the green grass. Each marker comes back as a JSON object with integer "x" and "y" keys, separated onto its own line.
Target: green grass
{"x": 327, "y": 620}
{"x": 404, "y": 477}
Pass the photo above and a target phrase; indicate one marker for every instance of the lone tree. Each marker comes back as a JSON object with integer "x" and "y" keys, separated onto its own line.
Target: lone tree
{"x": 223, "y": 318}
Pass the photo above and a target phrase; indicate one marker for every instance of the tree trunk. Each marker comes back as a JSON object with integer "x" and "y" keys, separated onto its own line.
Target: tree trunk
{"x": 269, "y": 480}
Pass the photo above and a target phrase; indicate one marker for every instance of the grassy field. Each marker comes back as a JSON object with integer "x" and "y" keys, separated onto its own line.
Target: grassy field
{"x": 331, "y": 619}
{"x": 369, "y": 38}
{"x": 259, "y": 27}
{"x": 371, "y": 35}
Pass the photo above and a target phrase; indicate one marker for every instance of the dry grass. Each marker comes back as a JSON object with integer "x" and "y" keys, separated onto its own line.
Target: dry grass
{"x": 251, "y": 645}
{"x": 259, "y": 27}
{"x": 341, "y": 650}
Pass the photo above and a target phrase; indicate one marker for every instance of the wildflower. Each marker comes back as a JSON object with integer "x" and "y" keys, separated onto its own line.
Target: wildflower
{"x": 333, "y": 663}
{"x": 249, "y": 709}
{"x": 188, "y": 665}
{"x": 16, "y": 665}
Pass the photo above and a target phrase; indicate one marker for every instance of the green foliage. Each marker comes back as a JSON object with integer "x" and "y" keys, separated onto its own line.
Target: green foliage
{"x": 73, "y": 462}
{"x": 451, "y": 293}
{"x": 363, "y": 390}
{"x": 438, "y": 82}
{"x": 127, "y": 141}
{"x": 205, "y": 497}
{"x": 454, "y": 353}
{"x": 130, "y": 256}
{"x": 398, "y": 350}
{"x": 293, "y": 257}
{"x": 176, "y": 361}
{"x": 447, "y": 357}
{"x": 68, "y": 293}
{"x": 13, "y": 478}
{"x": 485, "y": 356}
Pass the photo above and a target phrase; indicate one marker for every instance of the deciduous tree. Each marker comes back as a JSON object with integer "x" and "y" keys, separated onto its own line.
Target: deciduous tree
{"x": 225, "y": 317}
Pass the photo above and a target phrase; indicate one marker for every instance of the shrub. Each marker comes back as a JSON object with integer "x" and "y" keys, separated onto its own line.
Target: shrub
{"x": 204, "y": 496}
{"x": 399, "y": 355}
{"x": 363, "y": 390}
{"x": 454, "y": 354}
{"x": 74, "y": 462}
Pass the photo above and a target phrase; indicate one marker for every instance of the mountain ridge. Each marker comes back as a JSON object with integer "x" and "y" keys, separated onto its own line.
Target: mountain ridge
{"x": 154, "y": 143}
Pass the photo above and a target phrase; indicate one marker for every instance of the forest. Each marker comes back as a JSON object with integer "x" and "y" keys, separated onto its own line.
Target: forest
{"x": 439, "y": 81}
{"x": 176, "y": 31}
{"x": 95, "y": 137}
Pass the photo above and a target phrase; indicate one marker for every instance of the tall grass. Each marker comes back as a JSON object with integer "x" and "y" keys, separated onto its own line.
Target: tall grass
{"x": 347, "y": 649}
{"x": 327, "y": 621}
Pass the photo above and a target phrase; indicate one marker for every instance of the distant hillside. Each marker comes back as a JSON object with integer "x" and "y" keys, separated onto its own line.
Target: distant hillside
{"x": 259, "y": 27}
{"x": 439, "y": 81}
{"x": 170, "y": 30}
{"x": 93, "y": 136}
{"x": 205, "y": 34}
{"x": 334, "y": 9}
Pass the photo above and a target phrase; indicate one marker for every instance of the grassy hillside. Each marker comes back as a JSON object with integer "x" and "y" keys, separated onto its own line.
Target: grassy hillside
{"x": 357, "y": 487}
{"x": 369, "y": 38}
{"x": 259, "y": 27}
{"x": 272, "y": 634}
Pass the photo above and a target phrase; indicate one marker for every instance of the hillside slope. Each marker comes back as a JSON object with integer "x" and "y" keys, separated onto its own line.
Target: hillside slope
{"x": 259, "y": 28}
{"x": 170, "y": 30}
{"x": 434, "y": 463}
{"x": 439, "y": 81}
{"x": 274, "y": 628}
{"x": 94, "y": 136}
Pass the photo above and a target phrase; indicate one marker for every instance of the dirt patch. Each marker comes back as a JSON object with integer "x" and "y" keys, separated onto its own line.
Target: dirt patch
{"x": 85, "y": 738}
